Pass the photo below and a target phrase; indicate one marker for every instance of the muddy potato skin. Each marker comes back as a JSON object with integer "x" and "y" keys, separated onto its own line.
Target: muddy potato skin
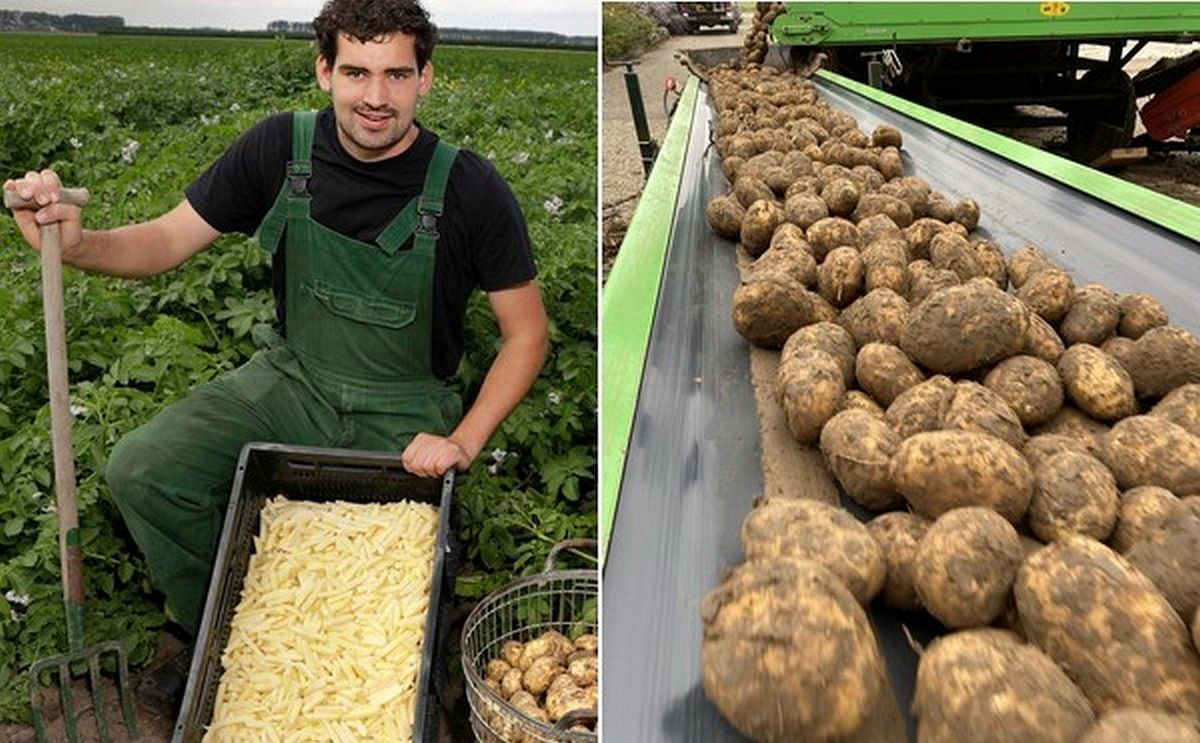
{"x": 920, "y": 233}
{"x": 1030, "y": 386}
{"x": 858, "y": 447}
{"x": 798, "y": 265}
{"x": 1171, "y": 560}
{"x": 1140, "y": 312}
{"x": 1071, "y": 421}
{"x": 1024, "y": 263}
{"x": 1127, "y": 724}
{"x": 951, "y": 252}
{"x": 770, "y": 307}
{"x": 762, "y": 217}
{"x": 881, "y": 227}
{"x": 924, "y": 279}
{"x": 809, "y": 386}
{"x": 806, "y": 529}
{"x": 840, "y": 276}
{"x": 966, "y": 565}
{"x": 976, "y": 408}
{"x": 748, "y": 189}
{"x": 966, "y": 213}
{"x": 991, "y": 259}
{"x": 1097, "y": 383}
{"x": 789, "y": 237}
{"x": 1093, "y": 316}
{"x": 870, "y": 204}
{"x": 886, "y": 135}
{"x": 859, "y": 400}
{"x": 937, "y": 471}
{"x": 1074, "y": 493}
{"x": 879, "y": 316}
{"x": 725, "y": 216}
{"x": 1049, "y": 293}
{"x": 1144, "y": 512}
{"x": 804, "y": 210}
{"x": 829, "y": 337}
{"x": 1144, "y": 450}
{"x": 898, "y": 534}
{"x": 832, "y": 232}
{"x": 1164, "y": 358}
{"x": 884, "y": 371}
{"x": 1042, "y": 341}
{"x": 989, "y": 680}
{"x": 788, "y": 654}
{"x": 1181, "y": 406}
{"x": 965, "y": 327}
{"x": 921, "y": 407}
{"x": 1042, "y": 447}
{"x": 1108, "y": 627}
{"x": 841, "y": 196}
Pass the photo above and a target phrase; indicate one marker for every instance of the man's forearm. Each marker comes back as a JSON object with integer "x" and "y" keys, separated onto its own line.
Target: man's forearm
{"x": 128, "y": 252}
{"x": 508, "y": 379}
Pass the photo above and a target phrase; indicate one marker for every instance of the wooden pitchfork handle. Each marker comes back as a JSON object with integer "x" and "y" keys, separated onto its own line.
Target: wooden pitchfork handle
{"x": 69, "y": 548}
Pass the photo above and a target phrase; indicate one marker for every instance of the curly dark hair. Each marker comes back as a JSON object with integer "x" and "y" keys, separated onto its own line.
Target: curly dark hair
{"x": 372, "y": 20}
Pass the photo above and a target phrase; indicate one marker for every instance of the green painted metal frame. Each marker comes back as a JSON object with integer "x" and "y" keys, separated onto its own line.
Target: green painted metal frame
{"x": 1162, "y": 210}
{"x": 898, "y": 23}
{"x": 628, "y": 305}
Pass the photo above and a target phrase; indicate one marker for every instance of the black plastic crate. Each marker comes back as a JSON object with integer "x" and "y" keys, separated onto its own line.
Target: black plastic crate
{"x": 317, "y": 474}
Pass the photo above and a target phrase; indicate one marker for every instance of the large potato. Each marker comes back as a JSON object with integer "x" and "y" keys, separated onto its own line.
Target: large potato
{"x": 976, "y": 408}
{"x": 798, "y": 265}
{"x": 1072, "y": 422}
{"x": 858, "y": 447}
{"x": 919, "y": 234}
{"x": 991, "y": 259}
{"x": 829, "y": 337}
{"x": 1181, "y": 406}
{"x": 762, "y": 217}
{"x": 725, "y": 216}
{"x": 832, "y": 232}
{"x": 1144, "y": 450}
{"x": 859, "y": 400}
{"x": 880, "y": 227}
{"x": 877, "y": 317}
{"x": 1165, "y": 358}
{"x": 938, "y": 471}
{"x": 1048, "y": 293}
{"x": 748, "y": 189}
{"x": 884, "y": 371}
{"x": 1040, "y": 448}
{"x": 789, "y": 237}
{"x": 1025, "y": 263}
{"x": 1093, "y": 316}
{"x": 804, "y": 209}
{"x": 921, "y": 407}
{"x": 1108, "y": 627}
{"x": 1097, "y": 383}
{"x": 806, "y": 529}
{"x": 1139, "y": 313}
{"x": 771, "y": 306}
{"x": 1171, "y": 559}
{"x": 1145, "y": 511}
{"x": 898, "y": 534}
{"x": 1042, "y": 340}
{"x": 1073, "y": 493}
{"x": 788, "y": 654}
{"x": 809, "y": 386}
{"x": 885, "y": 266}
{"x": 924, "y": 279}
{"x": 965, "y": 327}
{"x": 989, "y": 682}
{"x": 870, "y": 204}
{"x": 966, "y": 565}
{"x": 840, "y": 276}
{"x": 886, "y": 135}
{"x": 1126, "y": 725}
{"x": 841, "y": 196}
{"x": 1030, "y": 386}
{"x": 951, "y": 252}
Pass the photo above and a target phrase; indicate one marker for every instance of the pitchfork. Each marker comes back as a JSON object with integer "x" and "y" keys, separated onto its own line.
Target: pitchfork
{"x": 69, "y": 548}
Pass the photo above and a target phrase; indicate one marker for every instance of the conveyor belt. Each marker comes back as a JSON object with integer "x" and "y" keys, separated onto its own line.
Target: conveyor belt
{"x": 692, "y": 467}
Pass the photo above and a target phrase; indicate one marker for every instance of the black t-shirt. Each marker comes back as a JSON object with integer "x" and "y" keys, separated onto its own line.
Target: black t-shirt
{"x": 484, "y": 241}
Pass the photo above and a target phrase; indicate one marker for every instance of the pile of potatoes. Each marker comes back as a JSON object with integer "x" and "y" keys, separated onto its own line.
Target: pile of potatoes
{"x": 1030, "y": 447}
{"x": 545, "y": 679}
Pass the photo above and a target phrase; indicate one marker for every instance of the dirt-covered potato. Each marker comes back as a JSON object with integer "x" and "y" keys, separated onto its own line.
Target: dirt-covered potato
{"x": 1171, "y": 559}
{"x": 965, "y": 327}
{"x": 796, "y": 264}
{"x": 774, "y": 305}
{"x": 564, "y": 699}
{"x": 1049, "y": 293}
{"x": 511, "y": 651}
{"x": 890, "y": 163}
{"x": 989, "y": 680}
{"x": 951, "y": 252}
{"x": 829, "y": 337}
{"x": 536, "y": 679}
{"x": 1126, "y": 724}
{"x": 885, "y": 265}
{"x": 841, "y": 196}
{"x": 1196, "y": 630}
{"x": 870, "y": 204}
{"x": 1043, "y": 446}
{"x": 940, "y": 209}
{"x": 1096, "y": 382}
{"x": 1093, "y": 316}
{"x": 877, "y": 317}
{"x": 588, "y": 642}
{"x": 1164, "y": 358}
{"x": 991, "y": 260}
{"x": 584, "y": 670}
{"x": 1181, "y": 406}
{"x": 921, "y": 407}
{"x": 748, "y": 189}
{"x": 1025, "y": 263}
{"x": 1030, "y": 386}
{"x": 806, "y": 529}
{"x": 526, "y": 703}
{"x": 898, "y": 534}
{"x": 886, "y": 135}
{"x": 725, "y": 216}
{"x": 1140, "y": 312}
{"x": 937, "y": 471}
{"x": 976, "y": 408}
{"x": 788, "y": 654}
{"x": 881, "y": 227}
{"x": 965, "y": 567}
{"x": 870, "y": 178}
{"x": 840, "y": 276}
{"x": 917, "y": 199}
{"x": 1042, "y": 341}
{"x": 859, "y": 400}
{"x": 966, "y": 213}
{"x": 919, "y": 234}
{"x": 539, "y": 647}
{"x": 924, "y": 279}
{"x": 1144, "y": 512}
{"x": 1145, "y": 450}
{"x": 858, "y": 447}
{"x": 788, "y": 238}
{"x": 804, "y": 210}
{"x": 809, "y": 386}
{"x": 497, "y": 668}
{"x": 510, "y": 683}
{"x": 1071, "y": 421}
{"x": 883, "y": 371}
{"x": 762, "y": 217}
{"x": 832, "y": 232}
{"x": 1073, "y": 493}
{"x": 1108, "y": 627}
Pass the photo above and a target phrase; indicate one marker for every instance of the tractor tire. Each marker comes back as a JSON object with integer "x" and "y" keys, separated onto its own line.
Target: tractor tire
{"x": 1098, "y": 126}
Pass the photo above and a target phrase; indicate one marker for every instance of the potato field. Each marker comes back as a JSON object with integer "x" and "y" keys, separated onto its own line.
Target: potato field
{"x": 135, "y": 119}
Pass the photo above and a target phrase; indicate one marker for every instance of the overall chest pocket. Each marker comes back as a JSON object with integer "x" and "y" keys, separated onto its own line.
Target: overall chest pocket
{"x": 381, "y": 311}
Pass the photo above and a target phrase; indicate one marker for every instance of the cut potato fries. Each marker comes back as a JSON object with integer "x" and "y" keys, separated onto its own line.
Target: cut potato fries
{"x": 325, "y": 644}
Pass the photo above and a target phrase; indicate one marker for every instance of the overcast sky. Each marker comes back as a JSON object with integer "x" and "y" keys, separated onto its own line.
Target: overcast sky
{"x": 573, "y": 17}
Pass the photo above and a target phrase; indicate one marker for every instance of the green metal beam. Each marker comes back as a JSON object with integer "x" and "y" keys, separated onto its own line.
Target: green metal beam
{"x": 628, "y": 304}
{"x": 1154, "y": 207}
{"x": 883, "y": 24}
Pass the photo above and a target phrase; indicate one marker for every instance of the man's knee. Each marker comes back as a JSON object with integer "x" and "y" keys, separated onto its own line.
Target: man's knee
{"x": 128, "y": 469}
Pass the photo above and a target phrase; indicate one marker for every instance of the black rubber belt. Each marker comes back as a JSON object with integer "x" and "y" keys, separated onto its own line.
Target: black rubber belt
{"x": 693, "y": 466}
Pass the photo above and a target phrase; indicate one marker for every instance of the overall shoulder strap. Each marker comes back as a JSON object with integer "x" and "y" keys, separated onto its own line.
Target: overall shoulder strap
{"x": 295, "y": 185}
{"x": 420, "y": 214}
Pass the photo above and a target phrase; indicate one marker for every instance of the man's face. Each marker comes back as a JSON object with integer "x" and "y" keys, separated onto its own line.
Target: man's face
{"x": 375, "y": 87}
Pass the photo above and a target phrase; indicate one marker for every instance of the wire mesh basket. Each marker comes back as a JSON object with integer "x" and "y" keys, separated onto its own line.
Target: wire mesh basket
{"x": 562, "y": 600}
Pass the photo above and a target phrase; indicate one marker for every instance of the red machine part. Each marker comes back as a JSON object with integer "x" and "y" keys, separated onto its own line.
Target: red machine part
{"x": 1174, "y": 111}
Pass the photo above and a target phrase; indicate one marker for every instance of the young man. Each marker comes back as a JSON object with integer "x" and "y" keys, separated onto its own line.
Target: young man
{"x": 379, "y": 233}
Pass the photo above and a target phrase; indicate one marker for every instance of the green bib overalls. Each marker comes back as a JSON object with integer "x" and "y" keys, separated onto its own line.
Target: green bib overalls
{"x": 355, "y": 371}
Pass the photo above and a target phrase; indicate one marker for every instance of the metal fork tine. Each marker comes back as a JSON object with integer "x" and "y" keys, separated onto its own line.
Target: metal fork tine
{"x": 68, "y": 700}
{"x": 124, "y": 693}
{"x": 93, "y": 662}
